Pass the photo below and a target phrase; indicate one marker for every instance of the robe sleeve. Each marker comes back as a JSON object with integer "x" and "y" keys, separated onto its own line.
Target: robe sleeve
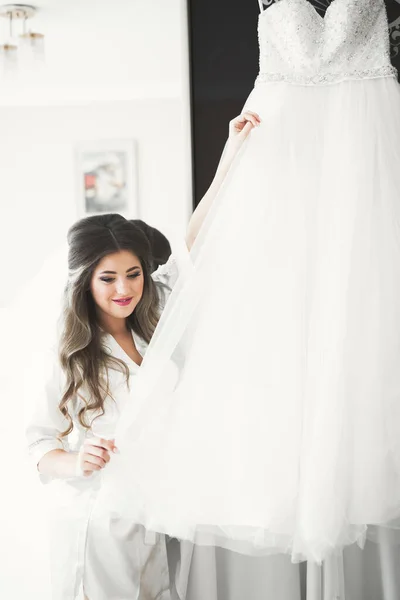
{"x": 44, "y": 421}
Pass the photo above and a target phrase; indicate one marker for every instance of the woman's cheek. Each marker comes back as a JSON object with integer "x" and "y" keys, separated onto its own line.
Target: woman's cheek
{"x": 140, "y": 287}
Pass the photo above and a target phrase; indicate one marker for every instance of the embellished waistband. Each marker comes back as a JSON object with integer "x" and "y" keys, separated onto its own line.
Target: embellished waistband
{"x": 327, "y": 78}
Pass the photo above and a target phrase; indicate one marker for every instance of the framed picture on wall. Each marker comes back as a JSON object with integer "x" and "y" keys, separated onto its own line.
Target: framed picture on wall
{"x": 107, "y": 178}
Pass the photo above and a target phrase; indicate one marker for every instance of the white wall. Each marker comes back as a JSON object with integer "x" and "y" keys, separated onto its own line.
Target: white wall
{"x": 115, "y": 69}
{"x": 38, "y": 176}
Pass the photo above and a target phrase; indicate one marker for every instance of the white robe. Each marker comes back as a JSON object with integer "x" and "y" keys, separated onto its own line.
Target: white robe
{"x": 113, "y": 559}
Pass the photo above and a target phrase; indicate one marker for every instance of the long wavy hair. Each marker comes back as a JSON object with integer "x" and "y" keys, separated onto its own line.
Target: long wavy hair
{"x": 83, "y": 358}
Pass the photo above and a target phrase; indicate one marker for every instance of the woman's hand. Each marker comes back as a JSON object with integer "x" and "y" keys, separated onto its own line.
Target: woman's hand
{"x": 240, "y": 127}
{"x": 94, "y": 455}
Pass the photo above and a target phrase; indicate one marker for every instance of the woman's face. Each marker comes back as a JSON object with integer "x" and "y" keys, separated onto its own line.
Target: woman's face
{"x": 117, "y": 285}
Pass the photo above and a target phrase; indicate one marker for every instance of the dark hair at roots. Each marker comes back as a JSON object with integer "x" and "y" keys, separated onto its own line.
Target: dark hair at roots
{"x": 82, "y": 356}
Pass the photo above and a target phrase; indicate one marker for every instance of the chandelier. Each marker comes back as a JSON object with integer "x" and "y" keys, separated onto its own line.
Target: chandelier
{"x": 20, "y": 48}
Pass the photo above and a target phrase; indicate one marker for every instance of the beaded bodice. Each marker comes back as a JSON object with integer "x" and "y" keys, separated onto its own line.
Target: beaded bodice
{"x": 299, "y": 46}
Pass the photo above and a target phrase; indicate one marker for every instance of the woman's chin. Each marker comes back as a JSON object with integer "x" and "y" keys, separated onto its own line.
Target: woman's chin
{"x": 123, "y": 312}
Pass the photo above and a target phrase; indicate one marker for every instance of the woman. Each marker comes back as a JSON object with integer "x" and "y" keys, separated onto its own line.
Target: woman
{"x": 111, "y": 309}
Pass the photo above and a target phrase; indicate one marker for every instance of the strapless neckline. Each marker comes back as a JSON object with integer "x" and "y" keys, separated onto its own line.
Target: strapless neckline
{"x": 309, "y": 7}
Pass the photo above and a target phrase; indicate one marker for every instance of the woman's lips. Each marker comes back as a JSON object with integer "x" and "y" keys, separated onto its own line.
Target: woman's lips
{"x": 123, "y": 301}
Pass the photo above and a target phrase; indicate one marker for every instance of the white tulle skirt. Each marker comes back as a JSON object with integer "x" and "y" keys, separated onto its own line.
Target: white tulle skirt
{"x": 267, "y": 414}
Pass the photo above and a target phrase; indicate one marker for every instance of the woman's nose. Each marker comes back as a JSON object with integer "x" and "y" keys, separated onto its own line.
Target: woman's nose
{"x": 121, "y": 286}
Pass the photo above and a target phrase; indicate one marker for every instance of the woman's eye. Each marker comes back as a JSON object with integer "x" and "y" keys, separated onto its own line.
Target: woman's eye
{"x": 111, "y": 279}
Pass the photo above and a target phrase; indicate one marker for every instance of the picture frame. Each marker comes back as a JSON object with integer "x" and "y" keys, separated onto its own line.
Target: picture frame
{"x": 106, "y": 175}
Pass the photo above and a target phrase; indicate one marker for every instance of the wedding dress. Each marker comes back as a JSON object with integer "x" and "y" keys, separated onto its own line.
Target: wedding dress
{"x": 266, "y": 415}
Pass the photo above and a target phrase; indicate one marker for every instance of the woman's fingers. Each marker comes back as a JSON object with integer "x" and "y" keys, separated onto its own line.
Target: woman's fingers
{"x": 98, "y": 452}
{"x": 244, "y": 123}
{"x": 252, "y": 118}
{"x": 89, "y": 466}
{"x": 94, "y": 460}
{"x": 95, "y": 454}
{"x": 254, "y": 114}
{"x": 247, "y": 128}
{"x": 101, "y": 443}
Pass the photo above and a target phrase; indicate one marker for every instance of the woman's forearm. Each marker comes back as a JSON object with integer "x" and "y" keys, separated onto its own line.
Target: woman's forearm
{"x": 58, "y": 464}
{"x": 239, "y": 129}
{"x": 205, "y": 204}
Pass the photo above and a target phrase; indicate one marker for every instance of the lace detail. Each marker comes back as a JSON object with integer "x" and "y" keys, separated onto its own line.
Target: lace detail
{"x": 298, "y": 46}
{"x": 327, "y": 78}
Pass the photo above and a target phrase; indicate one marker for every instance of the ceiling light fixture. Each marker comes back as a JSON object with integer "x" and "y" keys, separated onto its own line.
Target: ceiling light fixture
{"x": 25, "y": 49}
